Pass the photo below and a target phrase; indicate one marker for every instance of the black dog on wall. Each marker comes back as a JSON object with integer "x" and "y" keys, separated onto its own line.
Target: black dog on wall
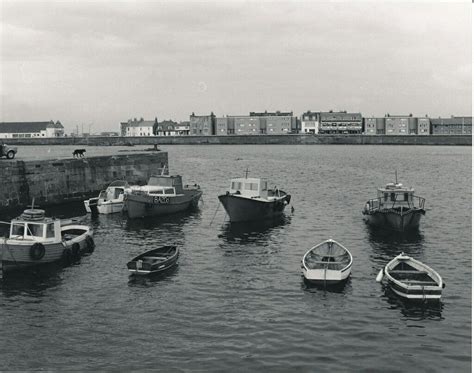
{"x": 78, "y": 153}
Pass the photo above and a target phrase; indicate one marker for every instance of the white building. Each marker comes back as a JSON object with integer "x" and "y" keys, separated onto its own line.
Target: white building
{"x": 310, "y": 122}
{"x": 9, "y": 130}
{"x": 136, "y": 127}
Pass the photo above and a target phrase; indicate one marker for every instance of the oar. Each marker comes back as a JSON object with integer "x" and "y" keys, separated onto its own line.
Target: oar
{"x": 379, "y": 277}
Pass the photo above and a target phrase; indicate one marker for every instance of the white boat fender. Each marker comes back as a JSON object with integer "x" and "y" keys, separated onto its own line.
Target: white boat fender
{"x": 379, "y": 277}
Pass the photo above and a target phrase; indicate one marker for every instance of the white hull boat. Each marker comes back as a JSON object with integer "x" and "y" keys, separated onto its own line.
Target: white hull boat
{"x": 109, "y": 201}
{"x": 412, "y": 279}
{"x": 36, "y": 240}
{"x": 327, "y": 263}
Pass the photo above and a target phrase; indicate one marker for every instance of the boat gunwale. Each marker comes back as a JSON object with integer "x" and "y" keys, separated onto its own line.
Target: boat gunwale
{"x": 322, "y": 243}
{"x": 429, "y": 270}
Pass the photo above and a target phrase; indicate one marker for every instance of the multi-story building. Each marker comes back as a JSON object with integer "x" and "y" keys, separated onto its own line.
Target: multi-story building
{"x": 451, "y": 126}
{"x": 276, "y": 123}
{"x": 310, "y": 122}
{"x": 204, "y": 125}
{"x": 31, "y": 129}
{"x": 340, "y": 122}
{"x": 423, "y": 126}
{"x": 171, "y": 128}
{"x": 397, "y": 125}
{"x": 136, "y": 127}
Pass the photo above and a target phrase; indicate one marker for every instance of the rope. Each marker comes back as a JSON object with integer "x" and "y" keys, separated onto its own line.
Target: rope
{"x": 215, "y": 212}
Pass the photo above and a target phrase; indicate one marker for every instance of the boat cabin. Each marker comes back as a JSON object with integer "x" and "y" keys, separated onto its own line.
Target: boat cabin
{"x": 162, "y": 181}
{"x": 34, "y": 226}
{"x": 115, "y": 190}
{"x": 249, "y": 187}
{"x": 395, "y": 195}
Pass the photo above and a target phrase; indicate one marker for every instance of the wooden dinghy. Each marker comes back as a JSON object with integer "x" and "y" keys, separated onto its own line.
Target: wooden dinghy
{"x": 154, "y": 261}
{"x": 412, "y": 279}
{"x": 327, "y": 263}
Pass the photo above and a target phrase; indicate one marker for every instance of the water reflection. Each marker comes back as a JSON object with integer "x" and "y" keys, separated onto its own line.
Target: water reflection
{"x": 342, "y": 287}
{"x": 33, "y": 281}
{"x": 413, "y": 310}
{"x": 152, "y": 222}
{"x": 388, "y": 244}
{"x": 153, "y": 279}
{"x": 250, "y": 232}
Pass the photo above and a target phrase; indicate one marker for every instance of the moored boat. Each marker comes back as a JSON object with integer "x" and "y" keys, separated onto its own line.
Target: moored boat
{"x": 154, "y": 261}
{"x": 163, "y": 195}
{"x": 412, "y": 279}
{"x": 110, "y": 200}
{"x": 327, "y": 263}
{"x": 395, "y": 208}
{"x": 35, "y": 240}
{"x": 250, "y": 199}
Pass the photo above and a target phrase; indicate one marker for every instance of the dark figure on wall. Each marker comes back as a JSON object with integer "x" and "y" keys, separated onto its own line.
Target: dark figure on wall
{"x": 78, "y": 153}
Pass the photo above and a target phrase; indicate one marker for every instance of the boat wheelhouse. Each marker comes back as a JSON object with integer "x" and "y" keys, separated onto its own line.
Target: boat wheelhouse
{"x": 164, "y": 194}
{"x": 35, "y": 239}
{"x": 251, "y": 199}
{"x": 396, "y": 207}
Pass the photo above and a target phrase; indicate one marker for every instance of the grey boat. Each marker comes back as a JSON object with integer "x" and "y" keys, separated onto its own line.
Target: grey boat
{"x": 250, "y": 199}
{"x": 163, "y": 195}
{"x": 395, "y": 208}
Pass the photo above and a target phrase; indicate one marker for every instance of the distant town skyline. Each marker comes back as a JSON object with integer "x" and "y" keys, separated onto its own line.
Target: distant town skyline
{"x": 97, "y": 64}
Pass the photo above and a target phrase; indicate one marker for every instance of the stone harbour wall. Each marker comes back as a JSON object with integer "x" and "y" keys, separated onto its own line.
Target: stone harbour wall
{"x": 58, "y": 181}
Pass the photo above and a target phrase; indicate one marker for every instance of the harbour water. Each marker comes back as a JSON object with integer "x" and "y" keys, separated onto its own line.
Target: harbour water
{"x": 237, "y": 301}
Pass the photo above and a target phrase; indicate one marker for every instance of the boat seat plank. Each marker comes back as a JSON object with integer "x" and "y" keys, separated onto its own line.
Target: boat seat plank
{"x": 420, "y": 283}
{"x": 408, "y": 272}
{"x": 322, "y": 262}
{"x": 154, "y": 258}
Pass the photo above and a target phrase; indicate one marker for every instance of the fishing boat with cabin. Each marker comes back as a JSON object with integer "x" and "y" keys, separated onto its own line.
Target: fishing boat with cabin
{"x": 396, "y": 208}
{"x": 109, "y": 201}
{"x": 412, "y": 279}
{"x": 35, "y": 239}
{"x": 163, "y": 195}
{"x": 250, "y": 199}
{"x": 154, "y": 261}
{"x": 328, "y": 263}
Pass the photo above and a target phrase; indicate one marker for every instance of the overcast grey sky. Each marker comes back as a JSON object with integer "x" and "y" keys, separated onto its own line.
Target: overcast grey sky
{"x": 100, "y": 63}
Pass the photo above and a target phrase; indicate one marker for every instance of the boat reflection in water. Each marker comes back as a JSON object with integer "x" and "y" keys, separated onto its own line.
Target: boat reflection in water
{"x": 256, "y": 231}
{"x": 342, "y": 287}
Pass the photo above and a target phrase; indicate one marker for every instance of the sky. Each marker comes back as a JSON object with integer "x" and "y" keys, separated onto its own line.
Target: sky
{"x": 93, "y": 64}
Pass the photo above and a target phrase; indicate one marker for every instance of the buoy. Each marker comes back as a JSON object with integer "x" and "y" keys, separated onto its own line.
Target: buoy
{"x": 379, "y": 277}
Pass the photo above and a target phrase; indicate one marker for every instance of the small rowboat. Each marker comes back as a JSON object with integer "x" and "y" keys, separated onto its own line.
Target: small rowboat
{"x": 412, "y": 279}
{"x": 154, "y": 261}
{"x": 328, "y": 263}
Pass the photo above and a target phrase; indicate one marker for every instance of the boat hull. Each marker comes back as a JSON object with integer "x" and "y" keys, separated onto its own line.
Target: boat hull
{"x": 241, "y": 209}
{"x": 328, "y": 276}
{"x": 19, "y": 255}
{"x": 140, "y": 266}
{"x": 142, "y": 205}
{"x": 393, "y": 220}
{"x": 420, "y": 293}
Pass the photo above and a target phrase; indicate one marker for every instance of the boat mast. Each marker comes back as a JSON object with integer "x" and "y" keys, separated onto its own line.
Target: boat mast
{"x": 396, "y": 177}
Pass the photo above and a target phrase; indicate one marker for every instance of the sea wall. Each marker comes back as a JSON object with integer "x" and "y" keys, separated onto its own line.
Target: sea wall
{"x": 58, "y": 181}
{"x": 252, "y": 139}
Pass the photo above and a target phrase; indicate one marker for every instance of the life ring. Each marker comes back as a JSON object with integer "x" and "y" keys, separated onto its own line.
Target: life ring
{"x": 76, "y": 251}
{"x": 90, "y": 243}
{"x": 37, "y": 251}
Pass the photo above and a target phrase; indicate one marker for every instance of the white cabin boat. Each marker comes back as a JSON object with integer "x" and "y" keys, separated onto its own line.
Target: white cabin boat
{"x": 396, "y": 208}
{"x": 109, "y": 201}
{"x": 412, "y": 279}
{"x": 327, "y": 263}
{"x": 35, "y": 239}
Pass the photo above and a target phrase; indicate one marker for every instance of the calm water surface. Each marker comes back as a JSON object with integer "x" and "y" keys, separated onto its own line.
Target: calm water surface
{"x": 237, "y": 301}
